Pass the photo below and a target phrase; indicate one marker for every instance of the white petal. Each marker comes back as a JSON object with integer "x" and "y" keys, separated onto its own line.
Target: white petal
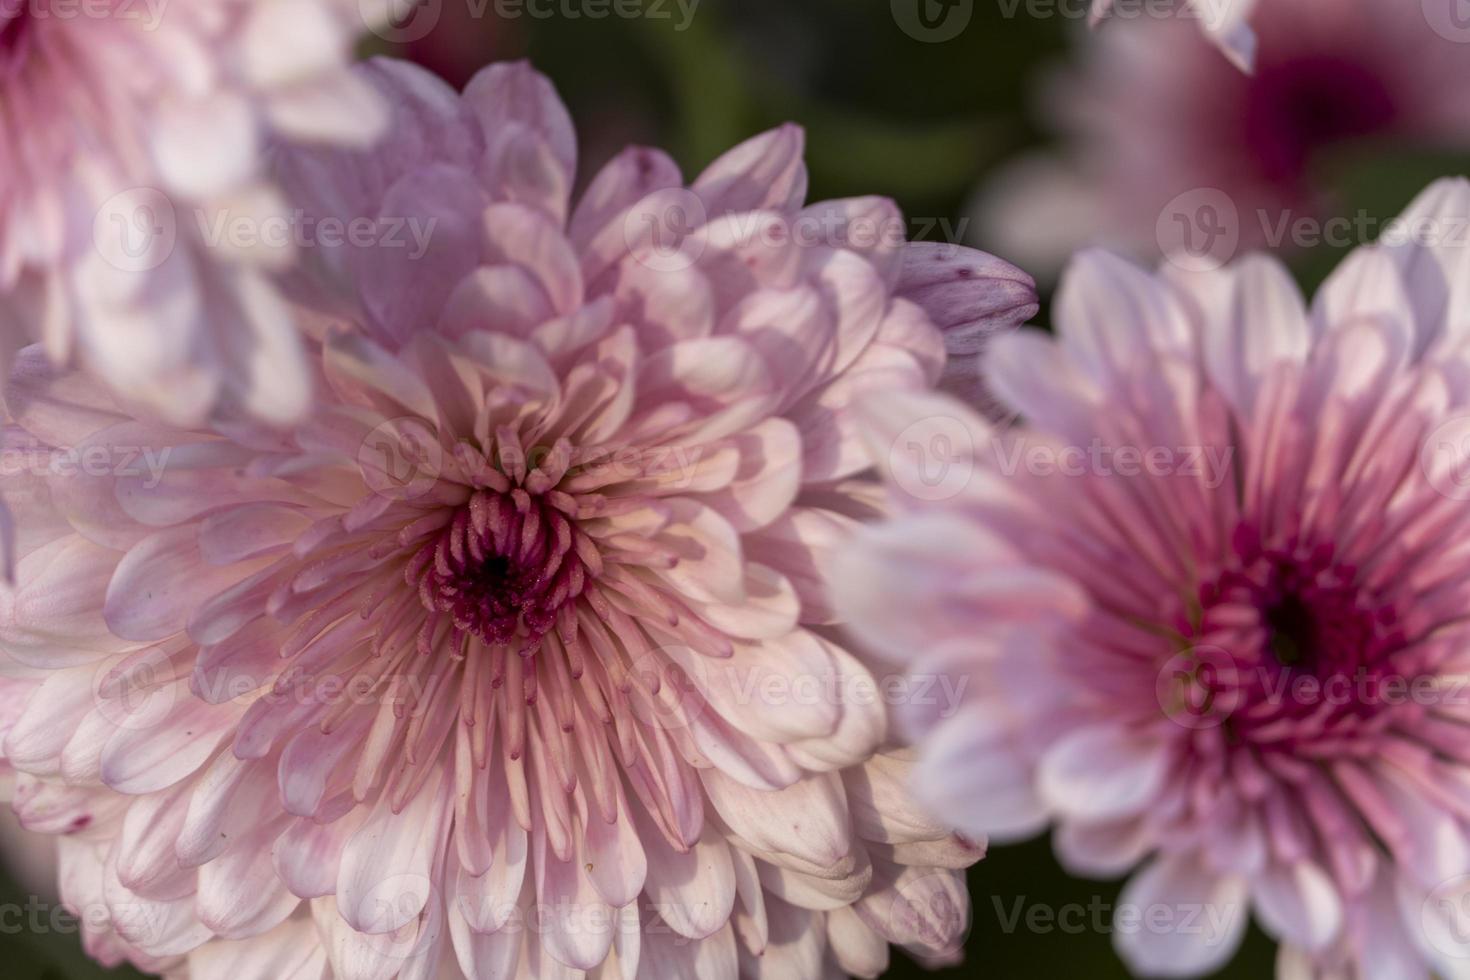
{"x": 1103, "y": 772}
{"x": 1198, "y": 919}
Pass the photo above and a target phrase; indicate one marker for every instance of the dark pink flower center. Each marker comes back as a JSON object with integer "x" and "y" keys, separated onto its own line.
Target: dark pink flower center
{"x": 502, "y": 568}
{"x": 1297, "y": 107}
{"x": 1313, "y": 655}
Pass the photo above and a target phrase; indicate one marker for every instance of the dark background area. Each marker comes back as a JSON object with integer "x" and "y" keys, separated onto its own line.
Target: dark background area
{"x": 885, "y": 114}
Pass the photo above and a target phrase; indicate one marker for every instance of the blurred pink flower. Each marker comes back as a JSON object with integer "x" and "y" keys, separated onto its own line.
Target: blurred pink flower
{"x": 1168, "y": 149}
{"x": 129, "y": 134}
{"x": 1224, "y": 22}
{"x": 30, "y": 858}
{"x": 1210, "y": 597}
{"x": 518, "y": 649}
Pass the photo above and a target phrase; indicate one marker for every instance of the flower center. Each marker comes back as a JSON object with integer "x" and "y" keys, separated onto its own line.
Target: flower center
{"x": 1300, "y": 651}
{"x": 503, "y": 568}
{"x": 1297, "y": 107}
{"x": 1314, "y": 622}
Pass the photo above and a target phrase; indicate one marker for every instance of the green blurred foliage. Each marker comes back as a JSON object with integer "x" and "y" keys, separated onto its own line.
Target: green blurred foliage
{"x": 885, "y": 114}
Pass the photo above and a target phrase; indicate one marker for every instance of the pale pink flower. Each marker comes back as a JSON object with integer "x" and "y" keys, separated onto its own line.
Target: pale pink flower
{"x": 131, "y": 152}
{"x": 1210, "y": 598}
{"x": 1166, "y": 148}
{"x": 1225, "y": 22}
{"x": 518, "y": 650}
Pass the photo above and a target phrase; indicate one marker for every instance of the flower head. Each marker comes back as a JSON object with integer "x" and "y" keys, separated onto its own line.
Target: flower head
{"x": 131, "y": 148}
{"x": 1211, "y": 596}
{"x": 517, "y": 650}
{"x": 1170, "y": 150}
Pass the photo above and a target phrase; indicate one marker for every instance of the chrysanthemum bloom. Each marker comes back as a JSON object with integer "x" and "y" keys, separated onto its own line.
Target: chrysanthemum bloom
{"x": 518, "y": 650}
{"x": 1212, "y": 595}
{"x": 1224, "y": 22}
{"x": 1167, "y": 147}
{"x": 137, "y": 233}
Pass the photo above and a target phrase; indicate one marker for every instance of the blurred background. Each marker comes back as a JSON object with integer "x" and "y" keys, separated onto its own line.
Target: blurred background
{"x": 1002, "y": 124}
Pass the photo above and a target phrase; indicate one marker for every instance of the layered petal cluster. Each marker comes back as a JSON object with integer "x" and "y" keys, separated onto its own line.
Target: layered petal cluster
{"x": 1211, "y": 597}
{"x": 1224, "y": 22}
{"x": 515, "y": 658}
{"x": 137, "y": 229}
{"x": 1169, "y": 149}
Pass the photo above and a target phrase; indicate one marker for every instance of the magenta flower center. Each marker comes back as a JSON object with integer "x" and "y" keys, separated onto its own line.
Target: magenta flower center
{"x": 502, "y": 568}
{"x": 1313, "y": 655}
{"x": 1298, "y": 107}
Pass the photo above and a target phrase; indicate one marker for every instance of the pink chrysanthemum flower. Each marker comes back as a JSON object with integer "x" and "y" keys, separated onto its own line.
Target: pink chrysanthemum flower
{"x": 1211, "y": 598}
{"x": 518, "y": 651}
{"x": 131, "y": 142}
{"x": 1166, "y": 148}
{"x": 1224, "y": 22}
